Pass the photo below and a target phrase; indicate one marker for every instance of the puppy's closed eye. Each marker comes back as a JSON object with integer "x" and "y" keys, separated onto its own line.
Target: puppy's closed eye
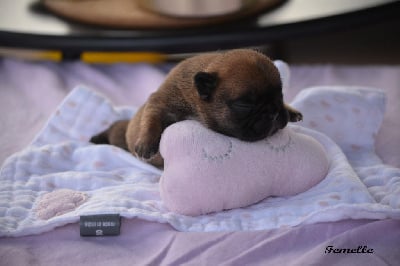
{"x": 242, "y": 106}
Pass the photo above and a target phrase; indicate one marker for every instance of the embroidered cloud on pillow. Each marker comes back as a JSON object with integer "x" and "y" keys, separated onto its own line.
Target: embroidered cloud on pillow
{"x": 206, "y": 172}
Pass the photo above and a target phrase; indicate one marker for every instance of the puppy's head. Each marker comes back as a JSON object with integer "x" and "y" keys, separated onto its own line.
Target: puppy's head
{"x": 241, "y": 95}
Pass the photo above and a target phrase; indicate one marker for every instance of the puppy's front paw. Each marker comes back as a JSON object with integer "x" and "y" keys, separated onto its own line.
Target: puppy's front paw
{"x": 146, "y": 149}
{"x": 295, "y": 116}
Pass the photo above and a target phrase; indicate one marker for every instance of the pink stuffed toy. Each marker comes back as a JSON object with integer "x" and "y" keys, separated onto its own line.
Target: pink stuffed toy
{"x": 205, "y": 171}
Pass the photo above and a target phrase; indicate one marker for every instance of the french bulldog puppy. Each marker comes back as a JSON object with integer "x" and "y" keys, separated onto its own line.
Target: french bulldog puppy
{"x": 237, "y": 93}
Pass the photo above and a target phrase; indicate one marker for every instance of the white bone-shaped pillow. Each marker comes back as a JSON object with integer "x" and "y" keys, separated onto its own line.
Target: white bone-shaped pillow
{"x": 205, "y": 171}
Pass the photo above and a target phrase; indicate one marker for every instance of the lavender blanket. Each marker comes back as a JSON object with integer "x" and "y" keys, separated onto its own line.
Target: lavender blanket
{"x": 24, "y": 111}
{"x": 61, "y": 176}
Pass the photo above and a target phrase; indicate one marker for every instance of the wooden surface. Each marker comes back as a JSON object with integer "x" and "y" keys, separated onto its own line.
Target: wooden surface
{"x": 128, "y": 14}
{"x": 25, "y": 24}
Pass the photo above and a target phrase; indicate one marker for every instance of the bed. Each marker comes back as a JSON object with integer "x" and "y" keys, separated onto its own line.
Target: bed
{"x": 30, "y": 93}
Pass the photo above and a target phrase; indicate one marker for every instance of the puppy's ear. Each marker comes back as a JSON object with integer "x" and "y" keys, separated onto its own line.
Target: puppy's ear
{"x": 205, "y": 84}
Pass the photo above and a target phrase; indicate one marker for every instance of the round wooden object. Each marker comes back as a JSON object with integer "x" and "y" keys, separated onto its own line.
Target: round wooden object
{"x": 128, "y": 14}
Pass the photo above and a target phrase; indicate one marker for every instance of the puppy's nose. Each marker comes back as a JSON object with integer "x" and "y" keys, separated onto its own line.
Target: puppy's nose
{"x": 259, "y": 125}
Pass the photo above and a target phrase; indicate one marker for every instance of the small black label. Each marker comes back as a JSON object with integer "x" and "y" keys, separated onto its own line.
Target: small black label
{"x": 100, "y": 225}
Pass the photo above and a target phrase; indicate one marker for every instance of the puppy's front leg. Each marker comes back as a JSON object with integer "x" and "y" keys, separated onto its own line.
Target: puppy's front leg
{"x": 144, "y": 130}
{"x": 147, "y": 142}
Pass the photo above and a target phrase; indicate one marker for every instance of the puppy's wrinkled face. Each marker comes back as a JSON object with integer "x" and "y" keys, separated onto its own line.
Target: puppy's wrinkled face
{"x": 256, "y": 116}
{"x": 243, "y": 98}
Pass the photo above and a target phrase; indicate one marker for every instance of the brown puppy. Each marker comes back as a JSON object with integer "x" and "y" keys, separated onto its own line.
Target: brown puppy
{"x": 237, "y": 93}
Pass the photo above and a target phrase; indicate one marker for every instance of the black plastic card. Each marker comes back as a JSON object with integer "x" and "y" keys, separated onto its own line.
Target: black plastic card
{"x": 100, "y": 225}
